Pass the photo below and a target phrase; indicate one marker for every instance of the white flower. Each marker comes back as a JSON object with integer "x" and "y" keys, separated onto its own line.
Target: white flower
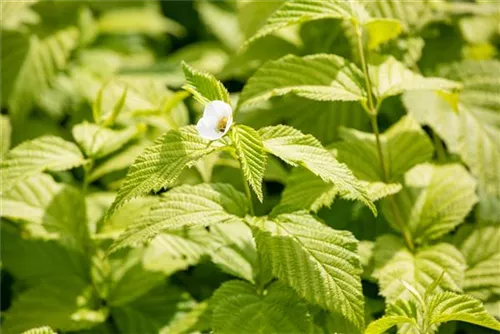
{"x": 216, "y": 121}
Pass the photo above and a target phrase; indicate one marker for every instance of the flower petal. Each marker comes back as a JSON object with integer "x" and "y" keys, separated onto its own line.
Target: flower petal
{"x": 218, "y": 109}
{"x": 207, "y": 130}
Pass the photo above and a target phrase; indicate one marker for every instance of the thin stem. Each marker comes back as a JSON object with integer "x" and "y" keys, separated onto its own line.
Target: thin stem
{"x": 364, "y": 65}
{"x": 86, "y": 173}
{"x": 372, "y": 111}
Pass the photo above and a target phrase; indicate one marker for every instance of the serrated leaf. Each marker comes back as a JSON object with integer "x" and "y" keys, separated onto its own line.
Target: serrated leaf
{"x": 97, "y": 141}
{"x": 304, "y": 190}
{"x": 390, "y": 77}
{"x": 204, "y": 87}
{"x": 29, "y": 62}
{"x": 295, "y": 148}
{"x": 154, "y": 312}
{"x": 449, "y": 306}
{"x": 404, "y": 145}
{"x": 185, "y": 206}
{"x": 47, "y": 153}
{"x": 395, "y": 263}
{"x": 251, "y": 154}
{"x": 480, "y": 246}
{"x": 176, "y": 250}
{"x": 300, "y": 11}
{"x": 48, "y": 210}
{"x": 435, "y": 200}
{"x": 5, "y": 133}
{"x": 232, "y": 248}
{"x": 161, "y": 164}
{"x": 414, "y": 15}
{"x": 40, "y": 330}
{"x": 381, "y": 30}
{"x": 383, "y": 324}
{"x": 318, "y": 77}
{"x": 278, "y": 311}
{"x": 318, "y": 262}
{"x": 66, "y": 306}
{"x": 472, "y": 132}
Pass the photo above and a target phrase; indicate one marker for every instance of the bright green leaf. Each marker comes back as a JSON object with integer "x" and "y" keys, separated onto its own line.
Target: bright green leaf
{"x": 435, "y": 200}
{"x": 390, "y": 77}
{"x": 239, "y": 308}
{"x": 161, "y": 164}
{"x": 35, "y": 156}
{"x": 295, "y": 148}
{"x": 318, "y": 77}
{"x": 204, "y": 87}
{"x": 381, "y": 30}
{"x": 251, "y": 154}
{"x": 186, "y": 206}
{"x": 300, "y": 11}
{"x": 98, "y": 142}
{"x": 395, "y": 263}
{"x": 318, "y": 262}
{"x": 480, "y": 246}
{"x": 449, "y": 306}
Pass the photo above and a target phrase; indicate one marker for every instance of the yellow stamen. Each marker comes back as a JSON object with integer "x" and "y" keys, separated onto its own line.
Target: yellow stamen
{"x": 222, "y": 124}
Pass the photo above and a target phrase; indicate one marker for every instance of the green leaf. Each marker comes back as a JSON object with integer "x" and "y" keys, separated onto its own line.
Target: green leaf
{"x": 381, "y": 30}
{"x": 404, "y": 145}
{"x": 5, "y": 134}
{"x": 383, "y": 324}
{"x": 154, "y": 312}
{"x": 47, "y": 153}
{"x": 146, "y": 20}
{"x": 251, "y": 155}
{"x": 480, "y": 246}
{"x": 123, "y": 277}
{"x": 295, "y": 148}
{"x": 390, "y": 77}
{"x": 161, "y": 164}
{"x": 185, "y": 206}
{"x": 304, "y": 190}
{"x": 473, "y": 132}
{"x": 28, "y": 64}
{"x": 239, "y": 308}
{"x": 395, "y": 263}
{"x": 318, "y": 262}
{"x": 40, "y": 330}
{"x": 16, "y": 15}
{"x": 413, "y": 15}
{"x": 33, "y": 261}
{"x": 97, "y": 141}
{"x": 48, "y": 210}
{"x": 449, "y": 306}
{"x": 300, "y": 11}
{"x": 435, "y": 200}
{"x": 318, "y": 77}
{"x": 204, "y": 87}
{"x": 176, "y": 250}
{"x": 67, "y": 305}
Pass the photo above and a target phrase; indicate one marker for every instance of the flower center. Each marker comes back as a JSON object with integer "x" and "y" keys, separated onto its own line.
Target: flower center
{"x": 221, "y": 126}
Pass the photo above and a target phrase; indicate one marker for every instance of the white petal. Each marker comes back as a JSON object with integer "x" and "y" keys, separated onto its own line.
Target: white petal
{"x": 207, "y": 130}
{"x": 228, "y": 125}
{"x": 218, "y": 109}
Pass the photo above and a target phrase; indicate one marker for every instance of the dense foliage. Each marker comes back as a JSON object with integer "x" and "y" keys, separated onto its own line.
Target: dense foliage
{"x": 345, "y": 180}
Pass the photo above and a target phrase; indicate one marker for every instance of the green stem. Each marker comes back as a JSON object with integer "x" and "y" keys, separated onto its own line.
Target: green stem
{"x": 86, "y": 173}
{"x": 372, "y": 111}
